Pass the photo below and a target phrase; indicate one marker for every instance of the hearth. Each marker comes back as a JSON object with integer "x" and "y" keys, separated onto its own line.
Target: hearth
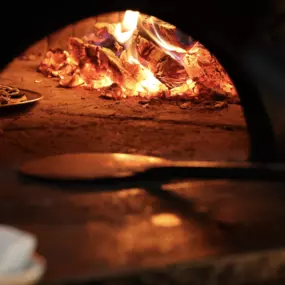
{"x": 127, "y": 82}
{"x": 218, "y": 28}
{"x": 130, "y": 54}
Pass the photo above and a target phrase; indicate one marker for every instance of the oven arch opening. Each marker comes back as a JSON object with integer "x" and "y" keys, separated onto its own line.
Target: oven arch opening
{"x": 79, "y": 26}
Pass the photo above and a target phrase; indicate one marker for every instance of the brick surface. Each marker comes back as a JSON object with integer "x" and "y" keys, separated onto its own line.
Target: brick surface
{"x": 121, "y": 15}
{"x": 109, "y": 18}
{"x": 83, "y": 27}
{"x": 37, "y": 49}
{"x": 60, "y": 38}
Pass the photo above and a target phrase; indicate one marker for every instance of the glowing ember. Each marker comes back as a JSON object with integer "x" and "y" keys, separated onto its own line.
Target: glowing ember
{"x": 141, "y": 56}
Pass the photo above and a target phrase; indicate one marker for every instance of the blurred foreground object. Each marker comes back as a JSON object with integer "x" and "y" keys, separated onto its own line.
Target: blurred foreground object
{"x": 18, "y": 262}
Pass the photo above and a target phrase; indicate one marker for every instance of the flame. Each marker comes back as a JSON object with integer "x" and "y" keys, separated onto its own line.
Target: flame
{"x": 156, "y": 37}
{"x": 125, "y": 30}
{"x": 139, "y": 56}
{"x": 123, "y": 33}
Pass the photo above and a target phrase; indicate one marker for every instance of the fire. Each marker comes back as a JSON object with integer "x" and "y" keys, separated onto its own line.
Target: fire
{"x": 123, "y": 33}
{"x": 125, "y": 30}
{"x": 170, "y": 49}
{"x": 140, "y": 56}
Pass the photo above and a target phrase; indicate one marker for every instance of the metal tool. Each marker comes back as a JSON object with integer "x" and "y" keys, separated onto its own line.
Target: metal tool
{"x": 96, "y": 166}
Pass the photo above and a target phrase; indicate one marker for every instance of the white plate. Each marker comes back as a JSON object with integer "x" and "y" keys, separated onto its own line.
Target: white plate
{"x": 31, "y": 275}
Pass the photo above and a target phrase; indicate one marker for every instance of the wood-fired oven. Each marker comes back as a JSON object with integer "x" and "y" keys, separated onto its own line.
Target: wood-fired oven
{"x": 158, "y": 92}
{"x": 225, "y": 41}
{"x": 52, "y": 49}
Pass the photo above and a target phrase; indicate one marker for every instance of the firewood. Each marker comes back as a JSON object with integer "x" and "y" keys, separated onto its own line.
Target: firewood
{"x": 104, "y": 30}
{"x": 114, "y": 91}
{"x": 103, "y": 36}
{"x": 76, "y": 48}
{"x": 163, "y": 66}
{"x": 107, "y": 62}
{"x": 55, "y": 59}
{"x": 73, "y": 80}
{"x": 151, "y": 26}
{"x": 204, "y": 68}
{"x": 104, "y": 61}
{"x": 145, "y": 84}
{"x": 132, "y": 68}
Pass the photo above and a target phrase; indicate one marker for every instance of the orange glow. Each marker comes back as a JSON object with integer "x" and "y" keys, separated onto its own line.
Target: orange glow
{"x": 125, "y": 30}
{"x": 158, "y": 39}
{"x": 166, "y": 220}
{"x": 140, "y": 56}
{"x": 123, "y": 33}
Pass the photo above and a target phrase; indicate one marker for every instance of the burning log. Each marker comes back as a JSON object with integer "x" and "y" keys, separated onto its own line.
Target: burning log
{"x": 103, "y": 36}
{"x": 59, "y": 63}
{"x": 163, "y": 32}
{"x": 114, "y": 91}
{"x": 165, "y": 68}
{"x": 86, "y": 64}
{"x": 107, "y": 62}
{"x": 54, "y": 61}
{"x": 156, "y": 60}
{"x": 77, "y": 50}
{"x": 203, "y": 68}
{"x": 145, "y": 81}
{"x": 73, "y": 79}
{"x": 104, "y": 30}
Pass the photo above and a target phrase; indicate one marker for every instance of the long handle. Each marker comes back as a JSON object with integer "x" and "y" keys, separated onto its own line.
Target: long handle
{"x": 215, "y": 170}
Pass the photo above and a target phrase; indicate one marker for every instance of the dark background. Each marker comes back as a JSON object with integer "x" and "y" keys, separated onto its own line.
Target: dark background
{"x": 231, "y": 22}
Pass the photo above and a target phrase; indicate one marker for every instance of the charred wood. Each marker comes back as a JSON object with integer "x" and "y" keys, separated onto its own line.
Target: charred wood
{"x": 151, "y": 27}
{"x": 103, "y": 36}
{"x": 106, "y": 61}
{"x": 163, "y": 66}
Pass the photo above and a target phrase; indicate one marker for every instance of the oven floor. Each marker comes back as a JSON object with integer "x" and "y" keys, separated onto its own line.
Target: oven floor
{"x": 77, "y": 120}
{"x": 102, "y": 231}
{"x": 113, "y": 233}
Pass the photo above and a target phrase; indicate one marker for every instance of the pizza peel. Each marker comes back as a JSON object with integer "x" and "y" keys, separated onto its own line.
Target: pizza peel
{"x": 89, "y": 166}
{"x": 96, "y": 166}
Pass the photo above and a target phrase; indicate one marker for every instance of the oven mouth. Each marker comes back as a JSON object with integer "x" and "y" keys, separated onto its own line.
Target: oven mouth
{"x": 242, "y": 84}
{"x": 142, "y": 56}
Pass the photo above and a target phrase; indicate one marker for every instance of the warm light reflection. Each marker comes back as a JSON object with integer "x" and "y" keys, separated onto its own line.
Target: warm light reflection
{"x": 129, "y": 159}
{"x": 166, "y": 220}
